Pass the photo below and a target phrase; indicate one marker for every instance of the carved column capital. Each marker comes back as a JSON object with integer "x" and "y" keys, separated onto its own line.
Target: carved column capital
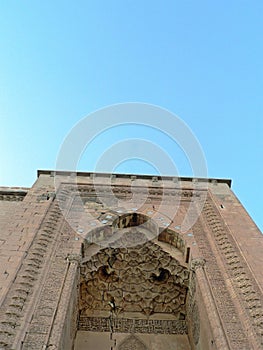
{"x": 74, "y": 258}
{"x": 197, "y": 263}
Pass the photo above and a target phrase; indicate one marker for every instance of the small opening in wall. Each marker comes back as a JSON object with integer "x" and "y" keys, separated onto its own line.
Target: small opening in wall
{"x": 187, "y": 255}
{"x": 182, "y": 316}
{"x": 134, "y": 218}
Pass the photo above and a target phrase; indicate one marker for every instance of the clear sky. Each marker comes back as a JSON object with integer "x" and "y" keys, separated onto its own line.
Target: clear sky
{"x": 201, "y": 60}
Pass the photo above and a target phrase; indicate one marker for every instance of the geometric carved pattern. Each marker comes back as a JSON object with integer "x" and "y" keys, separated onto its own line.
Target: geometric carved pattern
{"x": 240, "y": 277}
{"x": 140, "y": 278}
{"x": 20, "y": 293}
{"x": 132, "y": 343}
{"x": 220, "y": 291}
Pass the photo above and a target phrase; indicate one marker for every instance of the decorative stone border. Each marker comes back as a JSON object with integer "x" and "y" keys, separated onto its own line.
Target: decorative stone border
{"x": 128, "y": 325}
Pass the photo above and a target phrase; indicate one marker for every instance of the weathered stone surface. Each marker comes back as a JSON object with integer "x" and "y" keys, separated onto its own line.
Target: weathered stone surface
{"x": 77, "y": 260}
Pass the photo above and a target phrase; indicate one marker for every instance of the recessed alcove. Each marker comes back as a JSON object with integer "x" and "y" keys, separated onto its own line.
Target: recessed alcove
{"x": 136, "y": 289}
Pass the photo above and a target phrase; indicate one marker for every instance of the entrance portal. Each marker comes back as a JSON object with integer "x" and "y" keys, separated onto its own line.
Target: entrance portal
{"x": 133, "y": 296}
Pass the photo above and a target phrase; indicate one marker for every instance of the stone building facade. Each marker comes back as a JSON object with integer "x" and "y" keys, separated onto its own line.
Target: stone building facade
{"x": 118, "y": 262}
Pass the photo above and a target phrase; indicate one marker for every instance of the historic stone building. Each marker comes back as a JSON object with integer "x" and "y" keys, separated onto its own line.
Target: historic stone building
{"x": 118, "y": 262}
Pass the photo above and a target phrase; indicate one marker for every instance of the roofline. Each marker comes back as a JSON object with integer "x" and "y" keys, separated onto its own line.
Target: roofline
{"x": 138, "y": 176}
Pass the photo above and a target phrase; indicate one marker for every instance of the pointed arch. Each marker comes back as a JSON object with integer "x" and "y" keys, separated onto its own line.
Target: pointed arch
{"x": 132, "y": 342}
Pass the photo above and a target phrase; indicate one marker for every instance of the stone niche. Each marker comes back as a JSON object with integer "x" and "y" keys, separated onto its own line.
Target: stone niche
{"x": 134, "y": 292}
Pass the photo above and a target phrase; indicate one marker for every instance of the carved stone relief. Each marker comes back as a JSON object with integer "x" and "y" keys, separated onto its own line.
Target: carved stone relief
{"x": 142, "y": 278}
{"x": 197, "y": 263}
{"x": 196, "y": 322}
{"x": 132, "y": 325}
{"x": 132, "y": 343}
{"x": 31, "y": 271}
{"x": 240, "y": 276}
{"x": 226, "y": 250}
{"x": 192, "y": 307}
{"x": 12, "y": 196}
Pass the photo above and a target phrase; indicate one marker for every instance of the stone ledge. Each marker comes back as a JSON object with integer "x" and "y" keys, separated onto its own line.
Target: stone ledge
{"x": 132, "y": 176}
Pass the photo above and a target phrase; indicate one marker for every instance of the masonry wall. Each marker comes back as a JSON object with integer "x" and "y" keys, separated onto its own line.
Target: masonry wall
{"x": 39, "y": 254}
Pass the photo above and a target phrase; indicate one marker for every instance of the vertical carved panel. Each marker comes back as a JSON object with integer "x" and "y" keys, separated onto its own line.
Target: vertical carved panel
{"x": 240, "y": 277}
{"x": 192, "y": 307}
{"x": 22, "y": 292}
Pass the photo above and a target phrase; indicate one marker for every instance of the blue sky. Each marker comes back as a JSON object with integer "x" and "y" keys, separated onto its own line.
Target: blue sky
{"x": 201, "y": 60}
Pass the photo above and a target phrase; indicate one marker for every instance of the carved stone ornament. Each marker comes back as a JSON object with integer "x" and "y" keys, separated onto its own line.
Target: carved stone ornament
{"x": 141, "y": 278}
{"x": 74, "y": 258}
{"x": 197, "y": 263}
{"x": 132, "y": 343}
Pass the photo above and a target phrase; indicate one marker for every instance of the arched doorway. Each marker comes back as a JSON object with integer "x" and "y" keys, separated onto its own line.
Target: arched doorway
{"x": 135, "y": 289}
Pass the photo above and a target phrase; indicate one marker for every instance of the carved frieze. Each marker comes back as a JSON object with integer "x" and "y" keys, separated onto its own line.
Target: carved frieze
{"x": 132, "y": 325}
{"x": 12, "y": 196}
{"x": 126, "y": 192}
